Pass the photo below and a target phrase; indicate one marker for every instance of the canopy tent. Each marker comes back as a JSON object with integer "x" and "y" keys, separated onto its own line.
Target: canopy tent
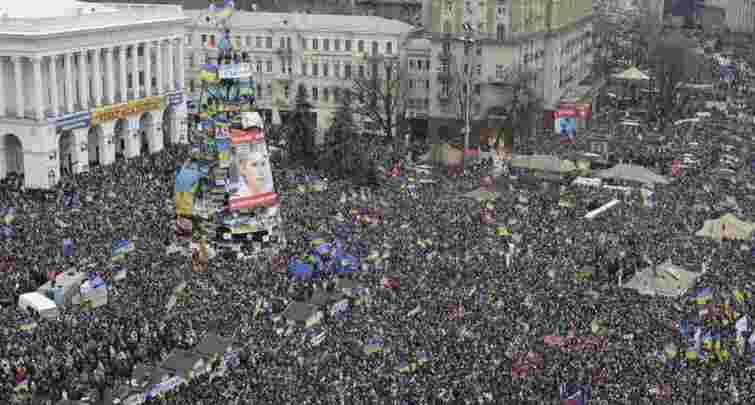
{"x": 481, "y": 194}
{"x": 543, "y": 163}
{"x": 632, "y": 173}
{"x": 727, "y": 227}
{"x": 668, "y": 280}
{"x": 631, "y": 74}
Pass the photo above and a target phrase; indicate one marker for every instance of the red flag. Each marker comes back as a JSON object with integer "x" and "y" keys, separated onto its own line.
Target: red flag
{"x": 663, "y": 392}
{"x": 391, "y": 283}
{"x": 456, "y": 312}
{"x": 522, "y": 362}
{"x": 599, "y": 376}
{"x": 396, "y": 171}
{"x": 676, "y": 168}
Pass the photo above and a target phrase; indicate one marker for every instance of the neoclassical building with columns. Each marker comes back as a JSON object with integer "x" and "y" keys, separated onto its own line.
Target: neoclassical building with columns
{"x": 87, "y": 84}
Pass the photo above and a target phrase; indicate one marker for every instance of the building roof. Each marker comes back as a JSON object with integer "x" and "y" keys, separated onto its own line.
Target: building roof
{"x": 310, "y": 22}
{"x": 73, "y": 16}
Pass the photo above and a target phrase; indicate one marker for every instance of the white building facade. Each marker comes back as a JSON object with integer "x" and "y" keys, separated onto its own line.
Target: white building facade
{"x": 90, "y": 85}
{"x": 319, "y": 53}
{"x": 739, "y": 15}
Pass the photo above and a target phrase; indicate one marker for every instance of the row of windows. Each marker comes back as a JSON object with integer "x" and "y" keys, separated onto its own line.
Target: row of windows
{"x": 210, "y": 41}
{"x": 325, "y": 45}
{"x": 315, "y": 69}
{"x": 419, "y": 65}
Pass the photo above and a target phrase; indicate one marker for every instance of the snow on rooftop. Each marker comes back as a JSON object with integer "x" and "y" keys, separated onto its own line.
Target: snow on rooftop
{"x": 36, "y": 9}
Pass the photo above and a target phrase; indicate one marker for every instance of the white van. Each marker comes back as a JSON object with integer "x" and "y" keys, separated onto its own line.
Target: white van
{"x": 36, "y": 302}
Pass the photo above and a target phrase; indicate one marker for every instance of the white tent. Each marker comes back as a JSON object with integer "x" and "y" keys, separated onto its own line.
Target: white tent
{"x": 632, "y": 173}
{"x": 544, "y": 163}
{"x": 727, "y": 227}
{"x": 669, "y": 280}
{"x": 632, "y": 74}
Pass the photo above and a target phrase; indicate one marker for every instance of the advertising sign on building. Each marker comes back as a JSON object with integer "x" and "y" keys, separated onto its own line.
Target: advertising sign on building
{"x": 72, "y": 121}
{"x": 235, "y": 71}
{"x": 122, "y": 111}
{"x": 253, "y": 181}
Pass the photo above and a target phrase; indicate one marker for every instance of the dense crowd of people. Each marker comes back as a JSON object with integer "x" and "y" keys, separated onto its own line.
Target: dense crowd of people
{"x": 471, "y": 297}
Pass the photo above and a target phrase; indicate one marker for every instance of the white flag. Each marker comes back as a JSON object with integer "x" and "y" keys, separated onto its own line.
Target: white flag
{"x": 742, "y": 324}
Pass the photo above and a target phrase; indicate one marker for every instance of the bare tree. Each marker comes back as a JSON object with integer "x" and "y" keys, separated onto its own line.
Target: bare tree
{"x": 377, "y": 97}
{"x": 673, "y": 62}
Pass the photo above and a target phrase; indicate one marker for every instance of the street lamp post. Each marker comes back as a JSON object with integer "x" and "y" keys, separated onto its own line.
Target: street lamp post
{"x": 468, "y": 42}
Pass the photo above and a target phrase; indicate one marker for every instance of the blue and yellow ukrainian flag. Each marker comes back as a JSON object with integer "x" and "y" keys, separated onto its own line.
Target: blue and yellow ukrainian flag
{"x": 703, "y": 296}
{"x": 374, "y": 346}
{"x": 423, "y": 357}
{"x": 121, "y": 250}
{"x": 741, "y": 296}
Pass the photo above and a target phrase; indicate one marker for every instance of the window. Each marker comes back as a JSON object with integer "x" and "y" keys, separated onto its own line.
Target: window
{"x": 499, "y": 71}
{"x": 412, "y": 65}
{"x": 447, "y": 48}
{"x": 325, "y": 94}
{"x": 501, "y": 11}
{"x": 326, "y": 45}
{"x": 248, "y": 42}
{"x": 258, "y": 66}
{"x": 479, "y": 50}
{"x": 304, "y": 69}
{"x": 283, "y": 67}
{"x": 466, "y": 68}
{"x": 500, "y": 32}
{"x": 411, "y": 84}
{"x": 427, "y": 84}
{"x": 141, "y": 78}
{"x": 389, "y": 48}
{"x": 337, "y": 44}
{"x": 258, "y": 42}
{"x": 288, "y": 42}
{"x": 347, "y": 71}
{"x": 360, "y": 46}
{"x": 375, "y": 48}
{"x": 259, "y": 89}
{"x": 447, "y": 27}
{"x": 315, "y": 43}
{"x": 204, "y": 39}
{"x": 347, "y": 45}
{"x": 325, "y": 69}
{"x": 315, "y": 69}
{"x": 128, "y": 81}
{"x": 269, "y": 66}
{"x": 283, "y": 43}
{"x": 444, "y": 88}
{"x": 286, "y": 91}
{"x": 337, "y": 69}
{"x": 361, "y": 70}
{"x": 269, "y": 42}
{"x": 427, "y": 65}
{"x": 478, "y": 70}
{"x": 314, "y": 93}
{"x": 336, "y": 94}
{"x": 444, "y": 67}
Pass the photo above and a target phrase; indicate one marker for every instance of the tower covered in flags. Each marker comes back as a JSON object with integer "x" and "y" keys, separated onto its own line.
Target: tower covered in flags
{"x": 225, "y": 196}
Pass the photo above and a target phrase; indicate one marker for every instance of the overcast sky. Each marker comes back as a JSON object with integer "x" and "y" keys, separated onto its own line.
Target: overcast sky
{"x": 37, "y": 8}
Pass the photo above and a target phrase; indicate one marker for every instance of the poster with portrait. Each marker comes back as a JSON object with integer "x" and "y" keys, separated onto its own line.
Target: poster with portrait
{"x": 251, "y": 184}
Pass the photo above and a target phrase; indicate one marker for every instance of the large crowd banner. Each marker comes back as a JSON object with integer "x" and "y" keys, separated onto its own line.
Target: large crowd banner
{"x": 252, "y": 183}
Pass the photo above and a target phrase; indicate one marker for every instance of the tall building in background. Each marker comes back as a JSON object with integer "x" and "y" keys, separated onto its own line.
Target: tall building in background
{"x": 739, "y": 15}
{"x": 548, "y": 40}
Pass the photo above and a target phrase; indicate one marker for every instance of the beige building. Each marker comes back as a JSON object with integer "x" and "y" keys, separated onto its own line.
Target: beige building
{"x": 83, "y": 83}
{"x": 739, "y": 15}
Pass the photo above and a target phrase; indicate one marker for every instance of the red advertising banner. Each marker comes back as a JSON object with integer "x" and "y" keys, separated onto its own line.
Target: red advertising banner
{"x": 562, "y": 113}
{"x": 259, "y": 200}
{"x": 254, "y": 135}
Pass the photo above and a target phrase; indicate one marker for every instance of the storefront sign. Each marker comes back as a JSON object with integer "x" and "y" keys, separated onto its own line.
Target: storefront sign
{"x": 174, "y": 98}
{"x": 121, "y": 111}
{"x": 73, "y": 121}
{"x": 235, "y": 71}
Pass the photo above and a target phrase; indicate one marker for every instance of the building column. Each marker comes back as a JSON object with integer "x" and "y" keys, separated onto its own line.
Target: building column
{"x": 109, "y": 77}
{"x": 97, "y": 77}
{"x": 156, "y": 143}
{"x": 107, "y": 143}
{"x": 54, "y": 100}
{"x": 39, "y": 105}
{"x": 159, "y": 68}
{"x": 3, "y": 106}
{"x": 123, "y": 76}
{"x": 147, "y": 69}
{"x": 19, "y": 79}
{"x": 135, "y": 70}
{"x": 83, "y": 82}
{"x": 69, "y": 82}
{"x": 80, "y": 152}
{"x": 131, "y": 136}
{"x": 180, "y": 61}
{"x": 171, "y": 66}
